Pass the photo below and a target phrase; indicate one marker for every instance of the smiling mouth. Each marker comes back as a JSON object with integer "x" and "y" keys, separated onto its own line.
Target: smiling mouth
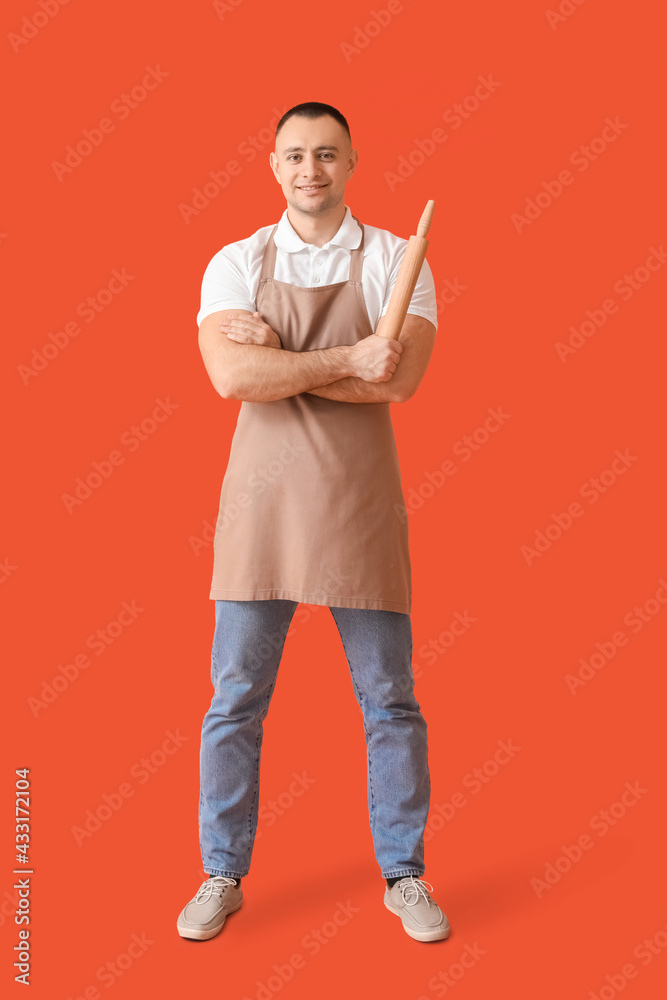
{"x": 311, "y": 187}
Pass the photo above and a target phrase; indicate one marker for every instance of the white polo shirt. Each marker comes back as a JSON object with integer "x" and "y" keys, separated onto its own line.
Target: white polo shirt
{"x": 231, "y": 278}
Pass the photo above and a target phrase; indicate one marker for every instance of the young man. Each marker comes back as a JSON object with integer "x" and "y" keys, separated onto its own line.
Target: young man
{"x": 311, "y": 507}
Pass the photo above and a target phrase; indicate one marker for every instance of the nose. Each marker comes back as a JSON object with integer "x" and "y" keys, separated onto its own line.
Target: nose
{"x": 310, "y": 166}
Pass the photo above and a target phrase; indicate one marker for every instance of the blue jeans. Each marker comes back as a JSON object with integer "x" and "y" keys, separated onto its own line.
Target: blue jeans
{"x": 247, "y": 648}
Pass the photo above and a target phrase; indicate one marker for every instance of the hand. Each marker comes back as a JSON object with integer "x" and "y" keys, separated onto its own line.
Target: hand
{"x": 250, "y": 330}
{"x": 375, "y": 359}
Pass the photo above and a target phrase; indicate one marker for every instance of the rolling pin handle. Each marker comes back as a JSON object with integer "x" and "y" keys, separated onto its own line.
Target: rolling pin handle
{"x": 425, "y": 221}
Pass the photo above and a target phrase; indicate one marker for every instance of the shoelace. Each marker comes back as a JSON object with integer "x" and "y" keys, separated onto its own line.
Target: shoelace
{"x": 416, "y": 885}
{"x": 216, "y": 885}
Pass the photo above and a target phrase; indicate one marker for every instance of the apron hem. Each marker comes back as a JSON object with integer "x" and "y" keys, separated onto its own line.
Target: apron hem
{"x": 326, "y": 600}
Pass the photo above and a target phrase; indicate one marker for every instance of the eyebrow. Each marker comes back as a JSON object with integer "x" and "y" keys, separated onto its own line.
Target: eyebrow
{"x": 299, "y": 149}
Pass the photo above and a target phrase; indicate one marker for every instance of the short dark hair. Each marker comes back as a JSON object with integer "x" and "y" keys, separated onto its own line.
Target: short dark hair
{"x": 314, "y": 109}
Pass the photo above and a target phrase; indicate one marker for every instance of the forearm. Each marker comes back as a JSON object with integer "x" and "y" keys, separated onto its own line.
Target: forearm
{"x": 245, "y": 360}
{"x": 261, "y": 375}
{"x": 357, "y": 390}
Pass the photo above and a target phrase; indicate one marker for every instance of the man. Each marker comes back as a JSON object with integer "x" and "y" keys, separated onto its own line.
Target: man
{"x": 311, "y": 508}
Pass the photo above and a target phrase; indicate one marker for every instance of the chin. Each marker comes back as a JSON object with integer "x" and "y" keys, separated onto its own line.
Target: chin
{"x": 316, "y": 208}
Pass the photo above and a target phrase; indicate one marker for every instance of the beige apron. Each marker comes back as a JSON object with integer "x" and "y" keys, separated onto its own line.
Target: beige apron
{"x": 307, "y": 508}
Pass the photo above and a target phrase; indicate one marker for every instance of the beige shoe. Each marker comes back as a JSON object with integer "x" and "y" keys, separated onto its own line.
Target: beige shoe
{"x": 422, "y": 918}
{"x": 203, "y": 917}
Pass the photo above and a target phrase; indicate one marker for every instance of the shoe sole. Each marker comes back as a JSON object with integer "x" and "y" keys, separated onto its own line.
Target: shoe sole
{"x": 195, "y": 935}
{"x": 432, "y": 935}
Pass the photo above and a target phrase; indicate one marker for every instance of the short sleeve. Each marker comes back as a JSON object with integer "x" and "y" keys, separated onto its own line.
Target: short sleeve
{"x": 423, "y": 301}
{"x": 224, "y": 286}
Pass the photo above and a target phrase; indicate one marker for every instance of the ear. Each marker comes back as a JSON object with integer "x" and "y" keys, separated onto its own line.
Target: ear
{"x": 273, "y": 160}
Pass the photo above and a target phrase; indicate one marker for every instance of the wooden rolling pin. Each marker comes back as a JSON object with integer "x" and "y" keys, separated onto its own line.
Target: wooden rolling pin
{"x": 411, "y": 265}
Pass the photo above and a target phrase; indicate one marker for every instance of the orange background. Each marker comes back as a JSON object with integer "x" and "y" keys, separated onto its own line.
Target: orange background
{"x": 67, "y": 574}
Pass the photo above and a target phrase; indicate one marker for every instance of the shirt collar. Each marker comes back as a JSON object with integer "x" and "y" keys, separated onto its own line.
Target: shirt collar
{"x": 348, "y": 236}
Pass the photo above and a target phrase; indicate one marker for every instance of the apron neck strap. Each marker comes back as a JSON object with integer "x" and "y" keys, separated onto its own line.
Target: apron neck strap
{"x": 357, "y": 256}
{"x": 269, "y": 258}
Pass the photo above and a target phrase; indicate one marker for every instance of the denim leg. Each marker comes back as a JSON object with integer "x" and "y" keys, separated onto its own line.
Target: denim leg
{"x": 247, "y": 648}
{"x": 378, "y": 647}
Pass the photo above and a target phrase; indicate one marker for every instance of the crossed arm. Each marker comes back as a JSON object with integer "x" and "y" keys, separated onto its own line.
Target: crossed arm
{"x": 234, "y": 342}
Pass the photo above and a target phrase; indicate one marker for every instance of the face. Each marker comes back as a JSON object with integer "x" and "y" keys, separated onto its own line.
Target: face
{"x": 312, "y": 163}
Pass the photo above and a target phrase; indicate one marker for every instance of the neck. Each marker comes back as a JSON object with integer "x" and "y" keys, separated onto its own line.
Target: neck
{"x": 316, "y": 230}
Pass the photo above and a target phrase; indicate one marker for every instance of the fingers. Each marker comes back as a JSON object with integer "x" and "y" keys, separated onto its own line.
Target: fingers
{"x": 237, "y": 324}
{"x": 253, "y": 322}
{"x": 239, "y": 330}
{"x": 394, "y": 345}
{"x": 247, "y": 336}
{"x": 241, "y": 338}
